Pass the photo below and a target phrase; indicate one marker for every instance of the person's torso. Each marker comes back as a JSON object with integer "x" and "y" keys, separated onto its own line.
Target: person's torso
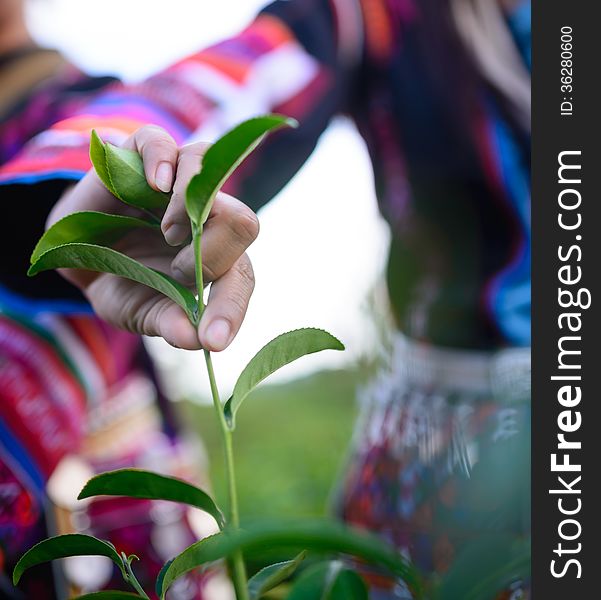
{"x": 452, "y": 173}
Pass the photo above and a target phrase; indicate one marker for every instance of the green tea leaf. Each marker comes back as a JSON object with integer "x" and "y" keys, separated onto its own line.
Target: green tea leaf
{"x": 329, "y": 581}
{"x": 106, "y": 260}
{"x": 89, "y": 227}
{"x": 222, "y": 159}
{"x": 98, "y": 158}
{"x": 63, "y": 546}
{"x": 270, "y": 577}
{"x": 136, "y": 483}
{"x": 122, "y": 172}
{"x": 126, "y": 171}
{"x": 158, "y": 586}
{"x": 109, "y": 595}
{"x": 348, "y": 585}
{"x": 485, "y": 567}
{"x": 280, "y": 351}
{"x": 316, "y": 536}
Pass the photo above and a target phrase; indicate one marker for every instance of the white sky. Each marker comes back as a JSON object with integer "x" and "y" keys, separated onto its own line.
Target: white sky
{"x": 322, "y": 245}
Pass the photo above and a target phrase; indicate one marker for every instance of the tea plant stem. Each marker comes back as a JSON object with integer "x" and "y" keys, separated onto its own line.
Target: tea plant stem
{"x": 135, "y": 584}
{"x": 238, "y": 567}
{"x": 200, "y": 286}
{"x": 227, "y": 440}
{"x": 132, "y": 578}
{"x": 240, "y": 578}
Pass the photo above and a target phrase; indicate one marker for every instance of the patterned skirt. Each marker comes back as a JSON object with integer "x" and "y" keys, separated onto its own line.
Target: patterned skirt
{"x": 441, "y": 468}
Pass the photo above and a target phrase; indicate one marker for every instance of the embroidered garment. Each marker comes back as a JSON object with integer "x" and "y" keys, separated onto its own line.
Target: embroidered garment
{"x": 440, "y": 466}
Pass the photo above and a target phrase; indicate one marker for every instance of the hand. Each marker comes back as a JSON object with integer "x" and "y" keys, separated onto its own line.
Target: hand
{"x": 229, "y": 230}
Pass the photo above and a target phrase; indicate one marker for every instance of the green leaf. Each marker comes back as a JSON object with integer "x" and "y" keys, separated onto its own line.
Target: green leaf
{"x": 89, "y": 227}
{"x": 106, "y": 260}
{"x": 158, "y": 586}
{"x": 282, "y": 350}
{"x": 63, "y": 546}
{"x": 122, "y": 172}
{"x": 316, "y": 536}
{"x": 329, "y": 581}
{"x": 222, "y": 159}
{"x": 98, "y": 158}
{"x": 136, "y": 483}
{"x": 486, "y": 567}
{"x": 126, "y": 170}
{"x": 348, "y": 585}
{"x": 109, "y": 595}
{"x": 273, "y": 575}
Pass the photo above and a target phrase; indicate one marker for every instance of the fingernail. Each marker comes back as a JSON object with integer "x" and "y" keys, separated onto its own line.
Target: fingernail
{"x": 164, "y": 176}
{"x": 176, "y": 234}
{"x": 218, "y": 334}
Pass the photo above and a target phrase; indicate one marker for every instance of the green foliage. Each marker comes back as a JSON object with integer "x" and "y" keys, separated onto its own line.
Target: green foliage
{"x": 98, "y": 159}
{"x": 122, "y": 172}
{"x": 88, "y": 227}
{"x": 329, "y": 581}
{"x": 62, "y": 546}
{"x": 136, "y": 483}
{"x": 222, "y": 159}
{"x": 158, "y": 586}
{"x": 107, "y": 260}
{"x": 279, "y": 352}
{"x": 321, "y": 536}
{"x": 271, "y": 576}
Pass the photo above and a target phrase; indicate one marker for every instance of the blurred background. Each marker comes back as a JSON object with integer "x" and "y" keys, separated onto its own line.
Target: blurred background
{"x": 326, "y": 216}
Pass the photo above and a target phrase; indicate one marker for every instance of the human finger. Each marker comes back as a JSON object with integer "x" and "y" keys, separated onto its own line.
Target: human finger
{"x": 227, "y": 306}
{"x": 175, "y": 224}
{"x": 230, "y": 229}
{"x": 159, "y": 154}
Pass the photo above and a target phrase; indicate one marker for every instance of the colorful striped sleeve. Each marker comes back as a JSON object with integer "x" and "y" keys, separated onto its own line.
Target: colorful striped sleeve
{"x": 295, "y": 58}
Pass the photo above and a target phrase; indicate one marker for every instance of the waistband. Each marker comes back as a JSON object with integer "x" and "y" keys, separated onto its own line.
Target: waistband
{"x": 503, "y": 373}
